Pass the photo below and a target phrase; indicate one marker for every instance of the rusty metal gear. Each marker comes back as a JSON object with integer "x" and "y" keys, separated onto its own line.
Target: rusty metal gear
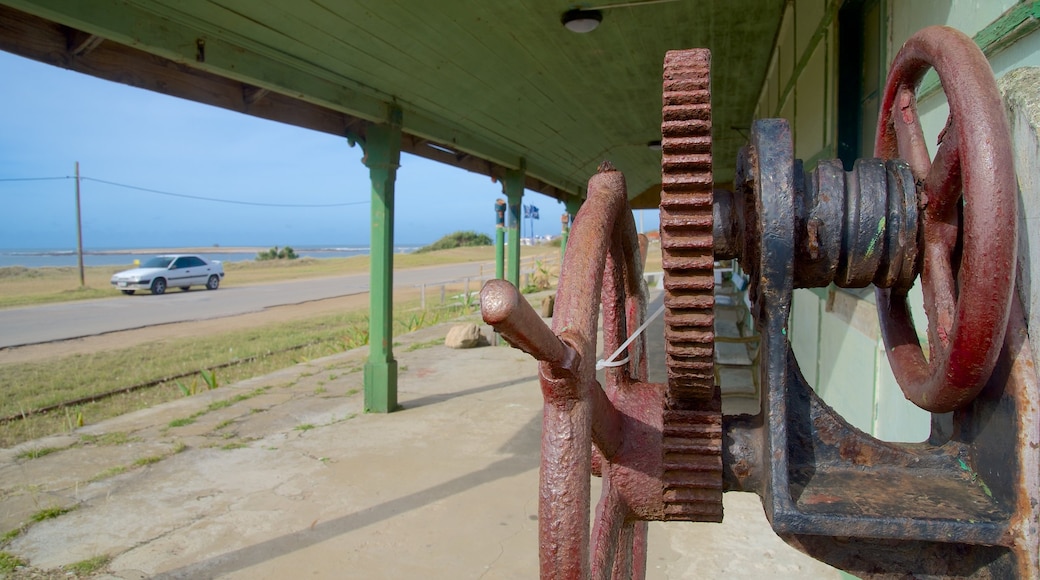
{"x": 693, "y": 417}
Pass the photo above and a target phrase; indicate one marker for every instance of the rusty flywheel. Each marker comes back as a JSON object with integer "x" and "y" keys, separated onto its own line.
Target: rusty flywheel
{"x": 693, "y": 418}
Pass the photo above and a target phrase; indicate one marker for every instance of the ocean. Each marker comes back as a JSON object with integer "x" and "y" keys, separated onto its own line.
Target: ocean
{"x": 43, "y": 258}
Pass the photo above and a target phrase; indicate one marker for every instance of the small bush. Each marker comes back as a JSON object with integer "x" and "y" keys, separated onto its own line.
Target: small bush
{"x": 286, "y": 253}
{"x": 457, "y": 240}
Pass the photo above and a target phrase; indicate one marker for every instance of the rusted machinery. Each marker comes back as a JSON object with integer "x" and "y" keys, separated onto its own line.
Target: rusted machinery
{"x": 964, "y": 503}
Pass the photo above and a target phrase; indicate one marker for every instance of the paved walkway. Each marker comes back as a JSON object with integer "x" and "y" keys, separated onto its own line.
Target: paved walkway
{"x": 283, "y": 476}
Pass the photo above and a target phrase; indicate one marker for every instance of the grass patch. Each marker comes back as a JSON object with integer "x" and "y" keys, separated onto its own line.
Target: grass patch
{"x": 182, "y": 421}
{"x": 109, "y": 439}
{"x": 422, "y": 345}
{"x": 10, "y": 535}
{"x": 9, "y": 562}
{"x": 110, "y": 472}
{"x": 90, "y": 565}
{"x": 233, "y": 445}
{"x": 38, "y": 452}
{"x": 304, "y": 427}
{"x": 149, "y": 460}
{"x": 223, "y": 424}
{"x": 50, "y": 513}
{"x": 39, "y": 384}
{"x": 217, "y": 405}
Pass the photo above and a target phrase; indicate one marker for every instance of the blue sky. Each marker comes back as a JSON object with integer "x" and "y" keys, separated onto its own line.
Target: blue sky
{"x": 53, "y": 118}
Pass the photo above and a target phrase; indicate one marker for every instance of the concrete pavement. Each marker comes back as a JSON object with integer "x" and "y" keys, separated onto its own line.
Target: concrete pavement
{"x": 283, "y": 476}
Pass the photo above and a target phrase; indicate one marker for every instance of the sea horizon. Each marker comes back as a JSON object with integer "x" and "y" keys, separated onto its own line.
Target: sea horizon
{"x": 98, "y": 256}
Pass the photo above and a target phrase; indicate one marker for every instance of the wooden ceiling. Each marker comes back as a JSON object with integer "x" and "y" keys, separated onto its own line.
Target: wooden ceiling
{"x": 482, "y": 84}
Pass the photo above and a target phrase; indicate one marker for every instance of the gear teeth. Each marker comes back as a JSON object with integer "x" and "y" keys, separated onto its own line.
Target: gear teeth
{"x": 686, "y": 224}
{"x": 693, "y": 464}
{"x": 692, "y": 447}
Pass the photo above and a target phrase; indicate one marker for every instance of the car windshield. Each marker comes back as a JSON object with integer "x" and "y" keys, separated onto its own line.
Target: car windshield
{"x": 158, "y": 262}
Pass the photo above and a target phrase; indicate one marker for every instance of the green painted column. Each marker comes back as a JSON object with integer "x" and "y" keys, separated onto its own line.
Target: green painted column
{"x": 513, "y": 187}
{"x": 573, "y": 204}
{"x": 500, "y": 238}
{"x": 565, "y": 231}
{"x": 382, "y": 157}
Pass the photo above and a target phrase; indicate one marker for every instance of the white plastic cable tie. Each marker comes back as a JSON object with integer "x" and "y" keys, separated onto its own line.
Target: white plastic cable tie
{"x": 610, "y": 362}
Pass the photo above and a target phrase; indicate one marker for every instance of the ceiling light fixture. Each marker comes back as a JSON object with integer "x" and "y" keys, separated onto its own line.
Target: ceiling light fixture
{"x": 581, "y": 21}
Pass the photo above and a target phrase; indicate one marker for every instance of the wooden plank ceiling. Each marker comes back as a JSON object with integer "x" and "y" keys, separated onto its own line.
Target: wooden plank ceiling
{"x": 481, "y": 84}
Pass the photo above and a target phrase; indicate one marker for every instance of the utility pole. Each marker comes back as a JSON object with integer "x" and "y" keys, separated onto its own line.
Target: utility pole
{"x": 79, "y": 232}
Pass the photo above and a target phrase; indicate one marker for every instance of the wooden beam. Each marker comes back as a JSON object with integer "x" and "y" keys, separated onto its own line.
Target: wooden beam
{"x": 80, "y": 43}
{"x": 251, "y": 94}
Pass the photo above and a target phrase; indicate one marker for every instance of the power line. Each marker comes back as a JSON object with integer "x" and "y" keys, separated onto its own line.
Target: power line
{"x": 218, "y": 201}
{"x": 34, "y": 178}
{"x": 187, "y": 196}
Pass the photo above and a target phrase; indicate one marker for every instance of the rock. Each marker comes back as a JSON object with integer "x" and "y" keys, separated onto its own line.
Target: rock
{"x": 548, "y": 303}
{"x": 464, "y": 336}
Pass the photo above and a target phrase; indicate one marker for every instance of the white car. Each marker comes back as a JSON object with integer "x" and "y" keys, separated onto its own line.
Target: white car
{"x": 161, "y": 272}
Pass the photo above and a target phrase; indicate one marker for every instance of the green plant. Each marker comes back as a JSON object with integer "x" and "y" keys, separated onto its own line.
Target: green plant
{"x": 304, "y": 427}
{"x": 217, "y": 405}
{"x": 210, "y": 377}
{"x": 90, "y": 565}
{"x": 37, "y": 452}
{"x": 182, "y": 422}
{"x": 149, "y": 460}
{"x": 188, "y": 390}
{"x": 113, "y": 438}
{"x": 469, "y": 302}
{"x": 9, "y": 562}
{"x": 542, "y": 276}
{"x": 10, "y": 535}
{"x": 110, "y": 472}
{"x": 50, "y": 513}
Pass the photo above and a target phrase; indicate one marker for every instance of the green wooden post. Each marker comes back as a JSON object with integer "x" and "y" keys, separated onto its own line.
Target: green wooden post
{"x": 500, "y": 238}
{"x": 565, "y": 230}
{"x": 382, "y": 157}
{"x": 573, "y": 204}
{"x": 513, "y": 186}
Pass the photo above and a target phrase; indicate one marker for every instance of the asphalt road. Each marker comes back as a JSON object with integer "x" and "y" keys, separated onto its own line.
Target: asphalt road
{"x": 68, "y": 320}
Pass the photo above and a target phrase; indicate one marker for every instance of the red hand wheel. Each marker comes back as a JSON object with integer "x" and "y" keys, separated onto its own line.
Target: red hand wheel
{"x": 603, "y": 261}
{"x": 968, "y": 271}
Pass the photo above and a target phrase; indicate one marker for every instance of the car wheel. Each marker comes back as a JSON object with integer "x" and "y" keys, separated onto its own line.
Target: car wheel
{"x": 158, "y": 286}
{"x": 185, "y": 288}
{"x": 213, "y": 283}
{"x": 127, "y": 292}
